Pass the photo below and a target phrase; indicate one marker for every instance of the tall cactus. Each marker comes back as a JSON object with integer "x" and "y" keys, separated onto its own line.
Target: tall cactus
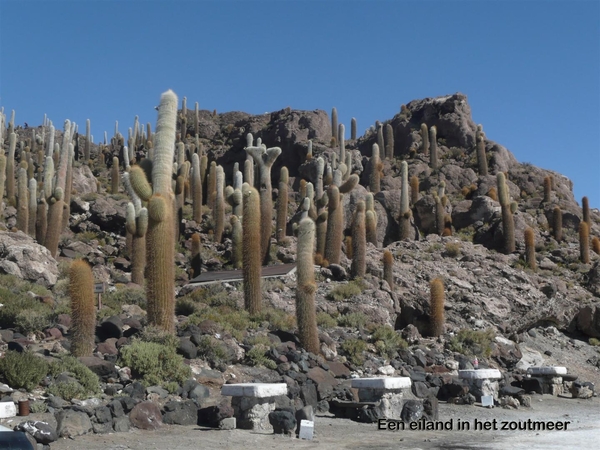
{"x": 160, "y": 237}
{"x": 359, "y": 242}
{"x": 2, "y": 178}
{"x": 305, "y": 292}
{"x": 557, "y": 223}
{"x": 405, "y": 214}
{"x": 530, "y": 248}
{"x": 342, "y": 141}
{"x": 321, "y": 236}
{"x": 41, "y": 223}
{"x": 196, "y": 262}
{"x": 319, "y": 181}
{"x": 414, "y": 189}
{"x": 88, "y": 141}
{"x": 282, "y": 204}
{"x": 439, "y": 215}
{"x": 481, "y": 157}
{"x": 219, "y": 212}
{"x": 436, "y": 316}
{"x": 376, "y": 166}
{"x": 114, "y": 176}
{"x": 335, "y": 226}
{"x": 585, "y": 206}
{"x": 22, "y": 201}
{"x": 196, "y": 189}
{"x": 32, "y": 207}
{"x": 137, "y": 225}
{"x": 83, "y": 310}
{"x": 508, "y": 222}
{"x": 433, "y": 149}
{"x": 388, "y": 268}
{"x": 424, "y": 139}
{"x": 264, "y": 158}
{"x": 236, "y": 242}
{"x": 334, "y": 123}
{"x": 389, "y": 141}
{"x": 353, "y": 129}
{"x": 584, "y": 243}
{"x": 251, "y": 264}
{"x": 547, "y": 189}
{"x": 10, "y": 170}
{"x": 380, "y": 141}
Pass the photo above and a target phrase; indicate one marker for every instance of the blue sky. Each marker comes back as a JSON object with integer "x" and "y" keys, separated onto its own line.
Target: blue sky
{"x": 530, "y": 69}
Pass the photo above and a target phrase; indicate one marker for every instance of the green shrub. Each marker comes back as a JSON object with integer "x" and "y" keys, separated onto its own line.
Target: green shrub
{"x": 325, "y": 320}
{"x": 158, "y": 336}
{"x": 213, "y": 295}
{"x": 387, "y": 341}
{"x": 233, "y": 321}
{"x": 86, "y": 378}
{"x": 185, "y": 307}
{"x": 23, "y": 311}
{"x": 347, "y": 290}
{"x": 30, "y": 320}
{"x": 354, "y": 348}
{"x": 18, "y": 285}
{"x": 352, "y": 320}
{"x": 68, "y": 391}
{"x": 23, "y": 370}
{"x": 276, "y": 318}
{"x": 473, "y": 343}
{"x": 595, "y": 342}
{"x": 212, "y": 350}
{"x": 124, "y": 296}
{"x": 38, "y": 407}
{"x": 154, "y": 363}
{"x": 256, "y": 356}
{"x": 453, "y": 249}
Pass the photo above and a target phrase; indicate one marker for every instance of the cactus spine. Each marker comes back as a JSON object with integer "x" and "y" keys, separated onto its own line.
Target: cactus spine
{"x": 388, "y": 268}
{"x": 282, "y": 204}
{"x": 251, "y": 264}
{"x": 160, "y": 237}
{"x": 481, "y": 157}
{"x": 437, "y": 307}
{"x": 305, "y": 292}
{"x": 530, "y": 248}
{"x": 584, "y": 243}
{"x": 376, "y": 166}
{"x": 83, "y": 310}
{"x": 557, "y": 223}
{"x": 508, "y": 223}
{"x": 359, "y": 242}
{"x": 264, "y": 159}
{"x": 433, "y": 149}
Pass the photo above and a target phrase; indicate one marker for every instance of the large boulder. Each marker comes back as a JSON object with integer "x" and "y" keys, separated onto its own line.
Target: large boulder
{"x": 22, "y": 257}
{"x": 84, "y": 181}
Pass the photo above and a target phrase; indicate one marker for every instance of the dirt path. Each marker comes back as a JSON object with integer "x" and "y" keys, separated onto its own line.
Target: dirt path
{"x": 583, "y": 432}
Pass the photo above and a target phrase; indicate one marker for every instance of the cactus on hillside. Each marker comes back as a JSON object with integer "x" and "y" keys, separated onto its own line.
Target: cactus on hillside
{"x": 481, "y": 156}
{"x": 83, "y": 310}
{"x": 584, "y": 243}
{"x": 585, "y": 207}
{"x": 405, "y": 213}
{"x": 251, "y": 264}
{"x": 319, "y": 181}
{"x": 307, "y": 287}
{"x": 439, "y": 215}
{"x": 335, "y": 226}
{"x": 376, "y": 166}
{"x": 22, "y": 201}
{"x": 334, "y": 123}
{"x": 160, "y": 237}
{"x": 436, "y": 315}
{"x": 41, "y": 223}
{"x": 114, "y": 176}
{"x": 88, "y": 142}
{"x": 389, "y": 141}
{"x": 414, "y": 189}
{"x": 424, "y": 139}
{"x": 321, "y": 234}
{"x": 557, "y": 223}
{"x": 282, "y": 204}
{"x": 353, "y": 129}
{"x": 596, "y": 245}
{"x": 32, "y": 207}
{"x": 530, "y": 248}
{"x": 196, "y": 189}
{"x": 196, "y": 261}
{"x": 547, "y": 189}
{"x": 264, "y": 158}
{"x": 136, "y": 222}
{"x": 359, "y": 242}
{"x": 342, "y": 141}
{"x": 388, "y": 268}
{"x": 236, "y": 242}
{"x": 10, "y": 170}
{"x": 2, "y": 178}
{"x": 219, "y": 211}
{"x": 508, "y": 223}
{"x": 433, "y": 149}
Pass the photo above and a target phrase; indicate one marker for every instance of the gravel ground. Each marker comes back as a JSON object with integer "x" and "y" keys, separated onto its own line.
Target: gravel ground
{"x": 583, "y": 432}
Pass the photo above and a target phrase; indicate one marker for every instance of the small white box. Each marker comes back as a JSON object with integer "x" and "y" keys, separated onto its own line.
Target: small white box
{"x": 487, "y": 400}
{"x": 7, "y": 409}
{"x": 307, "y": 429}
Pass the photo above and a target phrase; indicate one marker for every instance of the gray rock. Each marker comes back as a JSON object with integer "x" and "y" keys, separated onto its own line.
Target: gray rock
{"x": 228, "y": 423}
{"x": 162, "y": 392}
{"x": 72, "y": 423}
{"x": 283, "y": 422}
{"x": 121, "y": 424}
{"x": 102, "y": 428}
{"x": 146, "y": 416}
{"x": 116, "y": 408}
{"x": 180, "y": 413}
{"x": 412, "y": 411}
{"x": 103, "y": 414}
{"x": 42, "y": 432}
{"x": 22, "y": 257}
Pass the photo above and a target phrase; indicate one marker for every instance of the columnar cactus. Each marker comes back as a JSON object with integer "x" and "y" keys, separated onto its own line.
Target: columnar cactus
{"x": 547, "y": 189}
{"x": 405, "y": 213}
{"x": 370, "y": 220}
{"x": 530, "y": 248}
{"x": 424, "y": 139}
{"x": 282, "y": 204}
{"x": 321, "y": 236}
{"x": 88, "y": 142}
{"x": 508, "y": 223}
{"x": 32, "y": 207}
{"x": 380, "y": 141}
{"x": 211, "y": 186}
{"x": 334, "y": 123}
{"x": 305, "y": 292}
{"x": 68, "y": 186}
{"x": 10, "y": 170}
{"x": 414, "y": 189}
{"x": 249, "y": 171}
{"x": 197, "y": 120}
{"x": 114, "y": 176}
{"x": 41, "y": 224}
{"x": 310, "y": 195}
{"x": 236, "y": 242}
{"x": 389, "y": 141}
{"x": 309, "y": 151}
{"x": 160, "y": 237}
{"x": 251, "y": 264}
{"x": 433, "y": 149}
{"x": 439, "y": 215}
{"x": 219, "y": 212}
{"x": 264, "y": 158}
{"x": 584, "y": 243}
{"x": 481, "y": 156}
{"x": 585, "y": 206}
{"x": 22, "y": 201}
{"x": 353, "y": 129}
{"x": 359, "y": 242}
{"x": 335, "y": 226}
{"x": 376, "y": 166}
{"x": 83, "y": 310}
{"x": 557, "y": 223}
{"x": 596, "y": 245}
{"x": 196, "y": 261}
{"x": 196, "y": 189}
{"x": 388, "y": 268}
{"x": 2, "y": 178}
{"x": 136, "y": 222}
{"x": 342, "y": 142}
{"x": 319, "y": 181}
{"x": 436, "y": 315}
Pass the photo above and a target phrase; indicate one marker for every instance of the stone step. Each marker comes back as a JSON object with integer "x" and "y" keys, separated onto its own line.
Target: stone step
{"x": 480, "y": 374}
{"x": 257, "y": 390}
{"x": 382, "y": 383}
{"x": 549, "y": 370}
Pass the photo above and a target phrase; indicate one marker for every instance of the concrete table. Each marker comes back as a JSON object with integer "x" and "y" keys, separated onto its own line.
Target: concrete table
{"x": 387, "y": 392}
{"x": 549, "y": 377}
{"x": 252, "y": 403}
{"x": 482, "y": 382}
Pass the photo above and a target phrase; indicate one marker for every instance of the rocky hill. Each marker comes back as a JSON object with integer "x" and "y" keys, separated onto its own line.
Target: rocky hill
{"x": 510, "y": 303}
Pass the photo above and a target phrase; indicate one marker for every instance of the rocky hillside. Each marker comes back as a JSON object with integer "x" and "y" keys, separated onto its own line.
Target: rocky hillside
{"x": 504, "y": 299}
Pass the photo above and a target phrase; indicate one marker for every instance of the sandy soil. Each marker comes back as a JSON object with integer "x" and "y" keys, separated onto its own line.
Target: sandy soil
{"x": 583, "y": 432}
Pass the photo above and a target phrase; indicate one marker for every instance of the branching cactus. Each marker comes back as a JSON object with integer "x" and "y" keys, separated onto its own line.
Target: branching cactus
{"x": 376, "y": 166}
{"x": 196, "y": 189}
{"x": 160, "y": 237}
{"x": 321, "y": 236}
{"x": 388, "y": 268}
{"x": 508, "y": 223}
{"x": 137, "y": 226}
{"x": 251, "y": 263}
{"x": 310, "y": 195}
{"x": 359, "y": 242}
{"x": 424, "y": 139}
{"x": 437, "y": 319}
{"x": 282, "y": 204}
{"x": 264, "y": 159}
{"x": 584, "y": 243}
{"x": 405, "y": 213}
{"x": 530, "y": 248}
{"x": 83, "y": 310}
{"x": 433, "y": 148}
{"x": 236, "y": 242}
{"x": 307, "y": 287}
{"x": 32, "y": 207}
{"x": 557, "y": 223}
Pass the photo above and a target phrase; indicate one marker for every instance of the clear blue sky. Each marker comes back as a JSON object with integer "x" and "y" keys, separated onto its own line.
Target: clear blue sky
{"x": 531, "y": 69}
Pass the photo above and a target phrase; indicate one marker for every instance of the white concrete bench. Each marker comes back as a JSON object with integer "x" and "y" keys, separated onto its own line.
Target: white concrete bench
{"x": 550, "y": 378}
{"x": 252, "y": 403}
{"x": 482, "y": 382}
{"x": 387, "y": 392}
